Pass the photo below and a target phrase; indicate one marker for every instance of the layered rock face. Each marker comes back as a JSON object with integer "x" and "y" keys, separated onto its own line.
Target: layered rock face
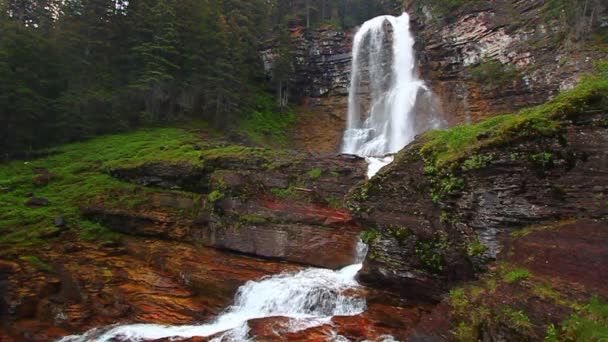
{"x": 484, "y": 58}
{"x": 429, "y": 230}
{"x": 256, "y": 202}
{"x": 493, "y": 57}
{"x": 319, "y": 86}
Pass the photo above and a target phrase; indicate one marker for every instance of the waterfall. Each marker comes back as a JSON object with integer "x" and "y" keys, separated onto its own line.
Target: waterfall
{"x": 385, "y": 93}
{"x": 310, "y": 297}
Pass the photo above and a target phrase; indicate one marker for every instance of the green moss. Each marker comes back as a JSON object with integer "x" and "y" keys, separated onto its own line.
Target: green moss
{"x": 459, "y": 302}
{"x": 446, "y": 217}
{"x": 442, "y": 149}
{"x": 283, "y": 193}
{"x": 334, "y": 202}
{"x": 517, "y": 318}
{"x": 431, "y": 253}
{"x": 81, "y": 176}
{"x": 369, "y": 236}
{"x": 590, "y": 324}
{"x": 493, "y": 73}
{"x": 254, "y": 219}
{"x": 445, "y": 185}
{"x": 215, "y": 196}
{"x": 545, "y": 160}
{"x": 476, "y": 248}
{"x": 466, "y": 332}
{"x": 37, "y": 263}
{"x": 477, "y": 162}
{"x": 514, "y": 275}
{"x": 531, "y": 229}
{"x": 448, "y": 153}
{"x": 267, "y": 126}
{"x": 315, "y": 173}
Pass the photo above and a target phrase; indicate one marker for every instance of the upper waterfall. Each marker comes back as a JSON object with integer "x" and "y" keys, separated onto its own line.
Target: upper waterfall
{"x": 382, "y": 104}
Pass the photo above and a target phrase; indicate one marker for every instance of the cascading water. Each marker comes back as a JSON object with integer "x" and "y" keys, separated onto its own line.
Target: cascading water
{"x": 310, "y": 297}
{"x": 384, "y": 92}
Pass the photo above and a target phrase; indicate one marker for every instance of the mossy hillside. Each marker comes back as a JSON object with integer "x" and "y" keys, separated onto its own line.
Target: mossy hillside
{"x": 79, "y": 176}
{"x": 266, "y": 126}
{"x": 447, "y": 154}
{"x": 494, "y": 301}
{"x": 443, "y": 149}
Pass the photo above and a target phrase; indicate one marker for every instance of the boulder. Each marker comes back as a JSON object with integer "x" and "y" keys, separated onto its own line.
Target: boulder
{"x": 37, "y": 202}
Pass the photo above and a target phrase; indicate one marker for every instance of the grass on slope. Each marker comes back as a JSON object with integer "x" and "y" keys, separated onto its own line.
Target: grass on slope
{"x": 447, "y": 146}
{"x": 78, "y": 178}
{"x": 266, "y": 126}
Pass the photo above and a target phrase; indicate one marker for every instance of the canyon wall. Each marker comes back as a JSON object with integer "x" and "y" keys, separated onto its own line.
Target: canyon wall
{"x": 494, "y": 57}
{"x": 481, "y": 59}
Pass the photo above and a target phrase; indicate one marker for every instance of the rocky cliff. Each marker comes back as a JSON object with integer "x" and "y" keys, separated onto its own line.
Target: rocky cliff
{"x": 480, "y": 58}
{"x": 258, "y": 202}
{"x": 319, "y": 85}
{"x": 440, "y": 210}
{"x": 491, "y": 57}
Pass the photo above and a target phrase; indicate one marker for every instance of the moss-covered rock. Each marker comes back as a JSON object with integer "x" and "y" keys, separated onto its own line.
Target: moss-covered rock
{"x": 457, "y": 190}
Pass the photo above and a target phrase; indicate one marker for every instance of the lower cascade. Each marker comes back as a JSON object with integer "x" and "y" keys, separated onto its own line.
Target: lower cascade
{"x": 310, "y": 297}
{"x": 388, "y": 105}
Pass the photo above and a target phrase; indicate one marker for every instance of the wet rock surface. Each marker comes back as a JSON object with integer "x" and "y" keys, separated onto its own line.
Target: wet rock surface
{"x": 271, "y": 207}
{"x": 137, "y": 281}
{"x": 490, "y": 58}
{"x": 554, "y": 284}
{"x": 420, "y": 247}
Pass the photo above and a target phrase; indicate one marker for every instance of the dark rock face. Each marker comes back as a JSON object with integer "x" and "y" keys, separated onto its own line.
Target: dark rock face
{"x": 421, "y": 248}
{"x": 319, "y": 86}
{"x": 37, "y": 202}
{"x": 165, "y": 175}
{"x": 532, "y": 58}
{"x": 269, "y": 206}
{"x": 322, "y": 62}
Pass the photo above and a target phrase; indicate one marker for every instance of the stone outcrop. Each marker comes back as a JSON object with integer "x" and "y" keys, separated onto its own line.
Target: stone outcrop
{"x": 319, "y": 86}
{"x": 494, "y": 57}
{"x": 255, "y": 202}
{"x": 428, "y": 232}
{"x": 73, "y": 287}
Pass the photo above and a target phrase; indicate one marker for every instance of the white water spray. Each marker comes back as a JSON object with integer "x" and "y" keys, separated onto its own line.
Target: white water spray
{"x": 387, "y": 121}
{"x": 310, "y": 297}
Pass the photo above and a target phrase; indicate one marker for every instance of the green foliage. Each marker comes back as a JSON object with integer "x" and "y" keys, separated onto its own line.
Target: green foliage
{"x": 37, "y": 263}
{"x": 515, "y": 275}
{"x": 431, "y": 253}
{"x": 591, "y": 324}
{"x": 493, "y": 73}
{"x": 517, "y": 318}
{"x": 283, "y": 193}
{"x": 551, "y": 333}
{"x": 544, "y": 159}
{"x": 266, "y": 125}
{"x": 476, "y": 248}
{"x": 369, "y": 236}
{"x": 215, "y": 196}
{"x": 459, "y": 301}
{"x": 334, "y": 202}
{"x": 315, "y": 173}
{"x": 531, "y": 229}
{"x": 477, "y": 162}
{"x": 465, "y": 332}
{"x": 80, "y": 171}
{"x": 447, "y": 147}
{"x": 254, "y": 219}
